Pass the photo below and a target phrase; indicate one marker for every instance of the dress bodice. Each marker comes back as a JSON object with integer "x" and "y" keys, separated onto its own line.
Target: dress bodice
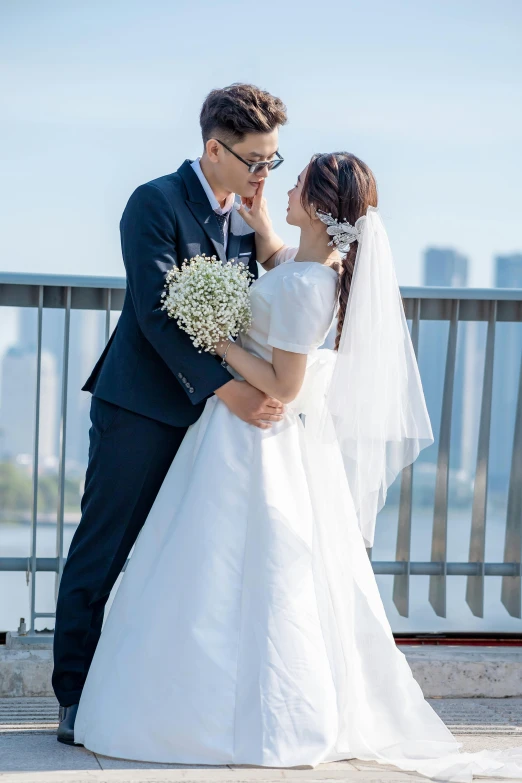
{"x": 293, "y": 307}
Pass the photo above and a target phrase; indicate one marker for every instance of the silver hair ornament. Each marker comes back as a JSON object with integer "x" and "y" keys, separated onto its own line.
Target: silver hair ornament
{"x": 343, "y": 234}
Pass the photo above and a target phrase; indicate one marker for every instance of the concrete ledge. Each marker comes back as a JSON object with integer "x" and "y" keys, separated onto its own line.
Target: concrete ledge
{"x": 441, "y": 671}
{"x": 26, "y": 672}
{"x": 460, "y": 672}
{"x": 38, "y": 641}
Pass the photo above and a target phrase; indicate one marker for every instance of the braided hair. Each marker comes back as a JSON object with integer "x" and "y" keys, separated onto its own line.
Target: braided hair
{"x": 340, "y": 184}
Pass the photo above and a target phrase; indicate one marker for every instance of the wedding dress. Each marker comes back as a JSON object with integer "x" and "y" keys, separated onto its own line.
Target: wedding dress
{"x": 248, "y": 627}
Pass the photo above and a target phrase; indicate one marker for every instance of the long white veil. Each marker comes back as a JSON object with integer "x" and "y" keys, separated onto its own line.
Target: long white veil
{"x": 375, "y": 402}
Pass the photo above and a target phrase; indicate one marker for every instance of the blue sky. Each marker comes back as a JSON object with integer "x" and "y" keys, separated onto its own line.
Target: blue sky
{"x": 100, "y": 96}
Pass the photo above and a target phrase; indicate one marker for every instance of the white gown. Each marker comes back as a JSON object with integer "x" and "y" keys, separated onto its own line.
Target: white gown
{"x": 248, "y": 627}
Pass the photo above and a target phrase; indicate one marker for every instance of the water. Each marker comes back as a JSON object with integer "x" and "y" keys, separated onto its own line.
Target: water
{"x": 15, "y": 592}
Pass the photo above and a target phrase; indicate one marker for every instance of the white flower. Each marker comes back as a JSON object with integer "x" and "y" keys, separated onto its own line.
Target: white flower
{"x": 208, "y": 299}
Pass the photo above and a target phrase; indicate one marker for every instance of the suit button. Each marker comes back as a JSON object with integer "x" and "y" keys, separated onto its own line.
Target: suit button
{"x": 180, "y": 375}
{"x": 191, "y": 390}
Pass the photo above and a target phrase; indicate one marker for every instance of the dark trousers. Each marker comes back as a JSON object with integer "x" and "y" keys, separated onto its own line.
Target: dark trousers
{"x": 129, "y": 456}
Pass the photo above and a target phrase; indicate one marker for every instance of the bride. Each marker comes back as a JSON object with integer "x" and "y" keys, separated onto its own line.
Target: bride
{"x": 248, "y": 627}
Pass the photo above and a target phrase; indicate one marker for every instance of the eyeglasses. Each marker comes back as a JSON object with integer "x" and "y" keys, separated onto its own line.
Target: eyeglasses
{"x": 253, "y": 168}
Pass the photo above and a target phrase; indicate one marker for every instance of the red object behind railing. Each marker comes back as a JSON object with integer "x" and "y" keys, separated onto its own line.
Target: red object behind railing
{"x": 491, "y": 639}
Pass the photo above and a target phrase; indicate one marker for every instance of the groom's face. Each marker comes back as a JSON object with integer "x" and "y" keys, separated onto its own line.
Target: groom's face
{"x": 231, "y": 174}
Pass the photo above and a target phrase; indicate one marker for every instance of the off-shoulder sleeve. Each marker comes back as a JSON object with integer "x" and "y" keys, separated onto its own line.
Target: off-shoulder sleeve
{"x": 301, "y": 314}
{"x": 284, "y": 254}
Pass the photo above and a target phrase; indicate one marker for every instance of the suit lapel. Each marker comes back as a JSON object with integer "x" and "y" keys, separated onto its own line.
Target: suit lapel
{"x": 207, "y": 220}
{"x": 200, "y": 207}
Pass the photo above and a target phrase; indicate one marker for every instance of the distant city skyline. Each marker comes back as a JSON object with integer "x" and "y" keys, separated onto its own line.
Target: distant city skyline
{"x": 18, "y": 386}
{"x": 443, "y": 267}
{"x": 447, "y": 267}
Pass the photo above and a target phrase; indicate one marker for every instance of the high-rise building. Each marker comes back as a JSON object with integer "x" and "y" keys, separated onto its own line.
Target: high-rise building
{"x": 446, "y": 267}
{"x": 508, "y": 271}
{"x": 443, "y": 267}
{"x": 52, "y": 330}
{"x": 508, "y": 356}
{"x": 85, "y": 345}
{"x": 17, "y": 410}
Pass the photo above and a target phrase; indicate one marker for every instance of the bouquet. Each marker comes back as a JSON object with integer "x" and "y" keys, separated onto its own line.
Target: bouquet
{"x": 208, "y": 299}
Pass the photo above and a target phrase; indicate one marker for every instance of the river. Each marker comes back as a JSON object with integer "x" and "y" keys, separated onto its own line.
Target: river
{"x": 15, "y": 593}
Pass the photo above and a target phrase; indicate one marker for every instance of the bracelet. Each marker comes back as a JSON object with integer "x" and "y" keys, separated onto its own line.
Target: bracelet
{"x": 223, "y": 360}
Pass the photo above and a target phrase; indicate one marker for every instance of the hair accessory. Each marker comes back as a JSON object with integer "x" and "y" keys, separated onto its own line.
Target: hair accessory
{"x": 343, "y": 234}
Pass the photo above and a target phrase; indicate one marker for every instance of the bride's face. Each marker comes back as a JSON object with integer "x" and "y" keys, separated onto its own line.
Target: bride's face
{"x": 295, "y": 214}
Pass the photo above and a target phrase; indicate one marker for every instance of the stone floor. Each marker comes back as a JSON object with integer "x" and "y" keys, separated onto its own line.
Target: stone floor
{"x": 29, "y": 752}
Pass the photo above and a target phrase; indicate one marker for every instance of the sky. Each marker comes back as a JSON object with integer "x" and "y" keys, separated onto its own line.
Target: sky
{"x": 98, "y": 97}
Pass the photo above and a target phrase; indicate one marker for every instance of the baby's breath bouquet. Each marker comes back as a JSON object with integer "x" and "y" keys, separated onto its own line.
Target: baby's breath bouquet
{"x": 208, "y": 299}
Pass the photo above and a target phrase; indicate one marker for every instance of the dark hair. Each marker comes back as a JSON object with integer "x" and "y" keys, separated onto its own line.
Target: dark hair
{"x": 343, "y": 185}
{"x": 239, "y": 109}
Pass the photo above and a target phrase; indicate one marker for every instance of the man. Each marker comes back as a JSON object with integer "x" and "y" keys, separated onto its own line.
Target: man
{"x": 150, "y": 382}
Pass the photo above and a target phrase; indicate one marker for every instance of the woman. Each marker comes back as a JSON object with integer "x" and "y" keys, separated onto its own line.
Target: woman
{"x": 248, "y": 627}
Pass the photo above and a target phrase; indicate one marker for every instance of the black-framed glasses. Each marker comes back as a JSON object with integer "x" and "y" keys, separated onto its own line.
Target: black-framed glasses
{"x": 253, "y": 168}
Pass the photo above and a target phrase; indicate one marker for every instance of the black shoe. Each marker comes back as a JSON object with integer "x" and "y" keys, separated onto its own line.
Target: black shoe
{"x": 65, "y": 733}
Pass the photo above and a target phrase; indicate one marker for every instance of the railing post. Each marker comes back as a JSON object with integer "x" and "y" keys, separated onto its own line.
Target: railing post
{"x": 108, "y": 303}
{"x": 401, "y": 582}
{"x": 511, "y": 585}
{"x": 477, "y": 543}
{"x": 36, "y": 448}
{"x": 63, "y": 442}
{"x": 439, "y": 543}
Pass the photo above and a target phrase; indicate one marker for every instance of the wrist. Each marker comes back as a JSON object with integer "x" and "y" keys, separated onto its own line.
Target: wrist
{"x": 221, "y": 347}
{"x": 226, "y": 390}
{"x": 266, "y": 233}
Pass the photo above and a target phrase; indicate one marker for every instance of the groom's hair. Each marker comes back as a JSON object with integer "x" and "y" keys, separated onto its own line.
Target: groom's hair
{"x": 234, "y": 111}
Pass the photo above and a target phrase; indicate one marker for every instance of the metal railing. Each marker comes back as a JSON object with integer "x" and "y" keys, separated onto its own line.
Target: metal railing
{"x": 421, "y": 303}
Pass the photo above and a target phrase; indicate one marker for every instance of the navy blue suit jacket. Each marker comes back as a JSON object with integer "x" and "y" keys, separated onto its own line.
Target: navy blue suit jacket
{"x": 149, "y": 365}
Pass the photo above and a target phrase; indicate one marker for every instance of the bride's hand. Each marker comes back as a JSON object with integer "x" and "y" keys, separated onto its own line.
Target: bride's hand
{"x": 254, "y": 212}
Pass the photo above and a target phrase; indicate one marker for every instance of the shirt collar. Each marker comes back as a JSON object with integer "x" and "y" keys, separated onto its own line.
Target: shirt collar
{"x": 214, "y": 203}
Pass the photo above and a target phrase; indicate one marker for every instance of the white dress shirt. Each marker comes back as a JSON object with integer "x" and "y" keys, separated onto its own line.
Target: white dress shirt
{"x": 214, "y": 203}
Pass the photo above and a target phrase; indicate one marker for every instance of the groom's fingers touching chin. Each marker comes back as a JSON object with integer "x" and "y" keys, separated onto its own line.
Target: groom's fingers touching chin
{"x": 259, "y": 192}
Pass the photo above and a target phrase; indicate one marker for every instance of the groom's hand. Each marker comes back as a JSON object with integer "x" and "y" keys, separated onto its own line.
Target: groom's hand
{"x": 249, "y": 404}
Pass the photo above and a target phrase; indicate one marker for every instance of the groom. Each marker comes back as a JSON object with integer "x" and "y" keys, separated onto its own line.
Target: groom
{"x": 150, "y": 382}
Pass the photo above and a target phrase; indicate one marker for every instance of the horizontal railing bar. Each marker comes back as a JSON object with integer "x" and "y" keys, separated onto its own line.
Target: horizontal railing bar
{"x": 379, "y": 566}
{"x": 65, "y": 281}
{"x": 408, "y": 292}
{"x": 436, "y": 568}
{"x": 451, "y": 292}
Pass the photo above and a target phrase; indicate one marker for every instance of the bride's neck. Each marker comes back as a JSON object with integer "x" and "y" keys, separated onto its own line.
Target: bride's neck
{"x": 313, "y": 246}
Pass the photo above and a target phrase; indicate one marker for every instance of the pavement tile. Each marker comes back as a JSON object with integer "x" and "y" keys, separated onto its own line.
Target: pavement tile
{"x": 174, "y": 776}
{"x": 40, "y": 752}
{"x": 110, "y": 762}
{"x": 29, "y": 752}
{"x": 474, "y": 742}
